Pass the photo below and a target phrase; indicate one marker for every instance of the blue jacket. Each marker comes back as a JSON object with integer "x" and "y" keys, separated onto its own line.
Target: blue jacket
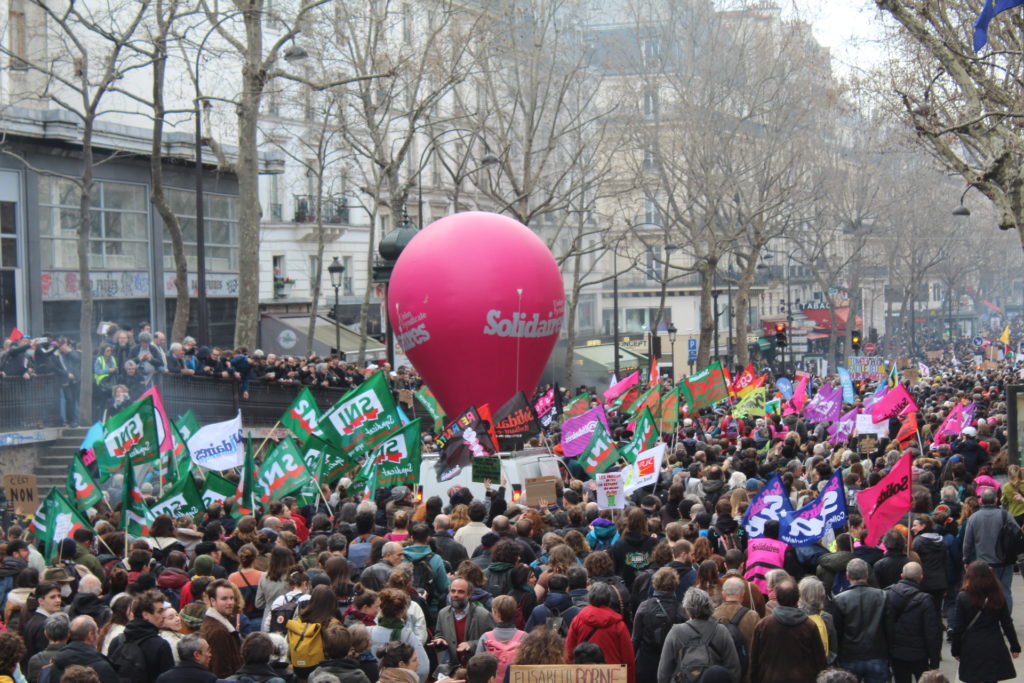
{"x": 414, "y": 553}
{"x": 555, "y": 604}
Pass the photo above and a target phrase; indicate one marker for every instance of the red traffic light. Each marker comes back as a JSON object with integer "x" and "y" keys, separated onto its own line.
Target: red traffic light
{"x": 780, "y": 327}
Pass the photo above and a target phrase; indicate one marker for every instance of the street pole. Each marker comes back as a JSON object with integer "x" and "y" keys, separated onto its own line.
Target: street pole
{"x": 730, "y": 346}
{"x": 789, "y": 312}
{"x": 204, "y": 317}
{"x": 615, "y": 310}
{"x": 714, "y": 298}
{"x": 337, "y": 324}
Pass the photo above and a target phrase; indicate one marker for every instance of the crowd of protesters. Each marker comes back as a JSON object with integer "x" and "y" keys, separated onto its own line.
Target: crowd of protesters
{"x": 128, "y": 359}
{"x": 397, "y": 590}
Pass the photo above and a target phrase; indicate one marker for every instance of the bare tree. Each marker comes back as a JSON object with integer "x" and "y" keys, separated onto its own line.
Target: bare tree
{"x": 87, "y": 52}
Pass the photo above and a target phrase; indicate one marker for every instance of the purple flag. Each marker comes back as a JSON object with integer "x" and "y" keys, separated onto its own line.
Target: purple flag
{"x": 576, "y": 430}
{"x": 840, "y": 431}
{"x": 770, "y": 503}
{"x": 826, "y": 405}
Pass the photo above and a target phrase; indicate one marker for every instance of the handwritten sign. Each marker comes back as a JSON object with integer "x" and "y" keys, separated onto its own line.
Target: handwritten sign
{"x": 568, "y": 673}
{"x": 22, "y": 490}
{"x": 610, "y": 494}
{"x": 538, "y": 489}
{"x": 487, "y": 467}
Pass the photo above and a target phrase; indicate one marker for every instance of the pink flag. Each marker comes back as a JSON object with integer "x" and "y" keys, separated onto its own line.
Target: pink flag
{"x": 796, "y": 404}
{"x": 163, "y": 424}
{"x": 887, "y": 502}
{"x": 620, "y": 387}
{"x": 951, "y": 425}
{"x": 895, "y": 403}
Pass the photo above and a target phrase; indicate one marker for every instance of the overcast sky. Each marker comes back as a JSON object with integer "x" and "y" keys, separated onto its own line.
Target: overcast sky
{"x": 848, "y": 27}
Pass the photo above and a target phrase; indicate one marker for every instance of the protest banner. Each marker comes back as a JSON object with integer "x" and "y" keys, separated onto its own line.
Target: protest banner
{"x": 537, "y": 489}
{"x": 867, "y": 368}
{"x": 576, "y": 431}
{"x": 807, "y": 525}
{"x": 22, "y": 490}
{"x": 568, "y": 673}
{"x": 487, "y": 467}
{"x": 218, "y": 446}
{"x": 610, "y": 495}
{"x": 515, "y": 422}
{"x": 770, "y": 503}
{"x": 887, "y": 502}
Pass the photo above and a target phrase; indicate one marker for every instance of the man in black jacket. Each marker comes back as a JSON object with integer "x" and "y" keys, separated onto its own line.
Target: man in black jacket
{"x": 256, "y": 652}
{"x": 450, "y": 550}
{"x": 914, "y": 626}
{"x": 859, "y": 614}
{"x": 194, "y": 656}
{"x": 888, "y": 569}
{"x": 143, "y": 631}
{"x": 81, "y": 650}
{"x": 337, "y": 643}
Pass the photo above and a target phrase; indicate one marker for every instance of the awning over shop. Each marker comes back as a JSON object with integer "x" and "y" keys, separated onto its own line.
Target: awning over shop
{"x": 286, "y": 335}
{"x": 603, "y": 355}
{"x": 822, "y": 320}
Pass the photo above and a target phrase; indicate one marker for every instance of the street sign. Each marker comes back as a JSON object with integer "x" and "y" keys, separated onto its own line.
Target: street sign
{"x": 870, "y": 349}
{"x": 691, "y": 344}
{"x": 978, "y": 341}
{"x": 691, "y": 356}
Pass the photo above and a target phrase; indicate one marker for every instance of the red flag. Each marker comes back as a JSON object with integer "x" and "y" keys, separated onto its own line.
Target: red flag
{"x": 743, "y": 379}
{"x": 15, "y": 335}
{"x": 653, "y": 376}
{"x": 908, "y": 430}
{"x": 887, "y": 502}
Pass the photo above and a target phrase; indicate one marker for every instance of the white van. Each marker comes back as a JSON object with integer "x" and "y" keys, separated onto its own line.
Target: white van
{"x": 517, "y": 467}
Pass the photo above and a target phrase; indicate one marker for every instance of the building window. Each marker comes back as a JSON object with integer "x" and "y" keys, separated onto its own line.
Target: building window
{"x": 16, "y": 39}
{"x": 651, "y": 51}
{"x": 119, "y": 230}
{"x": 220, "y": 226}
{"x": 652, "y": 216}
{"x": 347, "y": 288}
{"x": 650, "y": 103}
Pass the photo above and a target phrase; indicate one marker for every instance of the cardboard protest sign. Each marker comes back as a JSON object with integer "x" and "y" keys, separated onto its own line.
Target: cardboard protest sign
{"x": 539, "y": 488}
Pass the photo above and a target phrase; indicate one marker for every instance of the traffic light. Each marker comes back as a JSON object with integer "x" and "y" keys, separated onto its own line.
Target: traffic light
{"x": 780, "y": 335}
{"x": 855, "y": 340}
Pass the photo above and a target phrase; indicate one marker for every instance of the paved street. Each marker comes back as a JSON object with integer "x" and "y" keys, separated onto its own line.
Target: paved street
{"x": 949, "y": 665}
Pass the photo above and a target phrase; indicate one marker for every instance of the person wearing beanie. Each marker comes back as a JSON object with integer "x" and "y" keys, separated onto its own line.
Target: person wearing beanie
{"x": 192, "y": 616}
{"x": 202, "y": 568}
{"x": 602, "y": 535}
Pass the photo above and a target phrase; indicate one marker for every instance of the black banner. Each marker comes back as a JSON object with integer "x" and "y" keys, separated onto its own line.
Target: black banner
{"x": 468, "y": 436}
{"x": 515, "y": 422}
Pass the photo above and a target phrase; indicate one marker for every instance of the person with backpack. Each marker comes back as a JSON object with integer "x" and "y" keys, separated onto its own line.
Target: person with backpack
{"x": 503, "y": 640}
{"x": 275, "y": 582}
{"x": 305, "y": 631}
{"x": 375, "y": 577}
{"x": 140, "y": 654}
{"x": 391, "y": 628}
{"x": 504, "y": 557}
{"x": 275, "y": 619}
{"x": 632, "y": 552}
{"x": 57, "y": 629}
{"x": 361, "y": 547}
{"x": 14, "y": 562}
{"x": 693, "y": 647}
{"x": 602, "y": 535}
{"x": 429, "y": 575}
{"x": 598, "y": 623}
{"x": 654, "y": 617}
{"x": 739, "y": 620}
{"x": 257, "y": 649}
{"x": 556, "y": 602}
{"x": 786, "y": 645}
{"x": 726, "y": 533}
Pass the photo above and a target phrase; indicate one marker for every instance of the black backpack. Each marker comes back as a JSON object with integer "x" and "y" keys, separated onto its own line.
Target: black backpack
{"x": 423, "y": 578}
{"x": 733, "y": 627}
{"x": 129, "y": 661}
{"x": 661, "y": 622}
{"x": 280, "y": 615}
{"x": 698, "y": 656}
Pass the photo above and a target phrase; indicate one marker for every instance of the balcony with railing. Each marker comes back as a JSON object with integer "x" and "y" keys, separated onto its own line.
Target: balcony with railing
{"x": 335, "y": 211}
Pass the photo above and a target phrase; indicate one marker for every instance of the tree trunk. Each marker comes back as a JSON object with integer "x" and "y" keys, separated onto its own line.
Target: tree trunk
{"x": 159, "y": 199}
{"x": 315, "y": 304}
{"x": 85, "y": 323}
{"x": 833, "y": 337}
{"x": 364, "y": 307}
{"x": 570, "y": 322}
{"x": 253, "y": 79}
{"x": 707, "y": 318}
{"x": 742, "y": 304}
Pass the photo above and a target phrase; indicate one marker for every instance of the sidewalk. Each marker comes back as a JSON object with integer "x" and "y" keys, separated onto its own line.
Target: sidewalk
{"x": 949, "y": 665}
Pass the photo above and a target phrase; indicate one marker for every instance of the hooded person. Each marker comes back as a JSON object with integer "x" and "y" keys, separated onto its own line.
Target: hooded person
{"x": 173, "y": 578}
{"x": 632, "y": 552}
{"x": 598, "y": 623}
{"x": 556, "y": 603}
{"x": 726, "y": 533}
{"x": 602, "y": 534}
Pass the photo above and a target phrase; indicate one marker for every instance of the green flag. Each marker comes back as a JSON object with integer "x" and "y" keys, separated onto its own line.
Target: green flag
{"x": 327, "y": 461}
{"x": 600, "y": 452}
{"x": 82, "y": 488}
{"x": 395, "y": 461}
{"x": 577, "y": 406}
{"x": 181, "y": 500}
{"x": 361, "y": 418}
{"x": 704, "y": 388}
{"x": 56, "y": 520}
{"x": 752, "y": 405}
{"x": 245, "y": 493}
{"x": 216, "y": 489}
{"x": 177, "y": 463}
{"x": 135, "y": 516}
{"x": 187, "y": 425}
{"x": 302, "y": 416}
{"x": 645, "y": 436}
{"x": 129, "y": 434}
{"x": 669, "y": 411}
{"x": 427, "y": 399}
{"x": 282, "y": 473}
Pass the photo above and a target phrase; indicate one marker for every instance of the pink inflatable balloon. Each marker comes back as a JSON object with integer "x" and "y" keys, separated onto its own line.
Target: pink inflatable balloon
{"x": 476, "y": 302}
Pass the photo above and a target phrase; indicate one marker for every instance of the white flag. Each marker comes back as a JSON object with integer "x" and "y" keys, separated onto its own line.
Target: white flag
{"x": 219, "y": 446}
{"x": 645, "y": 471}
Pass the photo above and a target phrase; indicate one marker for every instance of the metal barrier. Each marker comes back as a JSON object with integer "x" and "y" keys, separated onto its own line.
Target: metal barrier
{"x": 29, "y": 403}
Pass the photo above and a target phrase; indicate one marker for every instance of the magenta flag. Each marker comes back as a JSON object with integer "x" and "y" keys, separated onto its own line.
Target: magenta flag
{"x": 895, "y": 403}
{"x": 620, "y": 387}
{"x": 796, "y": 404}
{"x": 576, "y": 431}
{"x": 825, "y": 406}
{"x": 887, "y": 502}
{"x": 840, "y": 431}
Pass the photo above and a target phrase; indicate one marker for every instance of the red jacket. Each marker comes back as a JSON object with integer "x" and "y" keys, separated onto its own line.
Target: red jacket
{"x": 611, "y": 635}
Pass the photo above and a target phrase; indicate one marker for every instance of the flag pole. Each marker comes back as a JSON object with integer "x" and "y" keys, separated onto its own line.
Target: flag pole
{"x": 265, "y": 440}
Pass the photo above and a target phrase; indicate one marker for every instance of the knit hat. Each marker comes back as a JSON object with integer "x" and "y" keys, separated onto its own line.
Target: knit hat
{"x": 203, "y": 565}
{"x": 489, "y": 539}
{"x": 192, "y": 615}
{"x": 399, "y": 492}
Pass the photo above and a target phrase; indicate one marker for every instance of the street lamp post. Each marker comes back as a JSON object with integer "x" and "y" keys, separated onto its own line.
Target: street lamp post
{"x": 672, "y": 334}
{"x": 293, "y": 55}
{"x": 615, "y": 310}
{"x": 336, "y": 271}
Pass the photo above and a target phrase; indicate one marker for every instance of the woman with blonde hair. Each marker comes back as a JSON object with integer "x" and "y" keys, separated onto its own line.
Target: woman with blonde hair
{"x": 541, "y": 647}
{"x": 737, "y": 498}
{"x": 1013, "y": 493}
{"x": 560, "y": 560}
{"x": 401, "y": 527}
{"x": 460, "y": 517}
